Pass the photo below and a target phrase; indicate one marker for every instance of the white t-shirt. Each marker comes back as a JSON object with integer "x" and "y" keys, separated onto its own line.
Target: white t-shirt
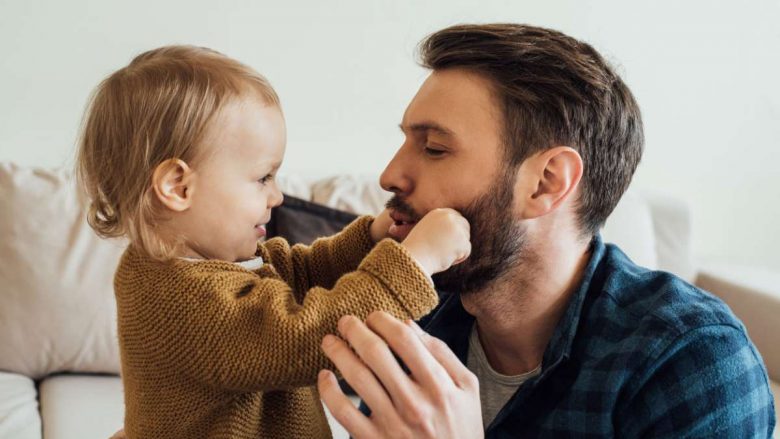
{"x": 495, "y": 389}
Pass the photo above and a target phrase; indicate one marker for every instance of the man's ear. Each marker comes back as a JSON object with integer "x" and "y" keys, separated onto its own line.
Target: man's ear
{"x": 547, "y": 179}
{"x": 173, "y": 182}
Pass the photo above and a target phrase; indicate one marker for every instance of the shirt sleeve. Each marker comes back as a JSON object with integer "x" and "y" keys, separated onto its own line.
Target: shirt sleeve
{"x": 710, "y": 382}
{"x": 244, "y": 332}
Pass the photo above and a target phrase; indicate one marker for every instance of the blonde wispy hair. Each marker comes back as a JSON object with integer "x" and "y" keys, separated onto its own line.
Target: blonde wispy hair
{"x": 155, "y": 109}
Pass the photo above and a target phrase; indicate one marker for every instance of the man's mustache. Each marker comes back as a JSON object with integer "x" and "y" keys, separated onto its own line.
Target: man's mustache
{"x": 399, "y": 205}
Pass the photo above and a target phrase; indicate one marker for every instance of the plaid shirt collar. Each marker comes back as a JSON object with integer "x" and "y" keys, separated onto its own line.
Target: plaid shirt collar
{"x": 452, "y": 324}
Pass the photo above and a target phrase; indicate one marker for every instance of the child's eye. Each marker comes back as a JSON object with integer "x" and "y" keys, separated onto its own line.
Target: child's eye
{"x": 266, "y": 179}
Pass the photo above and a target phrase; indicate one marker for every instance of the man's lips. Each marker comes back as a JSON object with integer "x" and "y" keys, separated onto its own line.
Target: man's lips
{"x": 402, "y": 225}
{"x": 400, "y": 218}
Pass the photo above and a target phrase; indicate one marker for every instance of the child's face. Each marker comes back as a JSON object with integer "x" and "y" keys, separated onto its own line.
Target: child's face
{"x": 235, "y": 182}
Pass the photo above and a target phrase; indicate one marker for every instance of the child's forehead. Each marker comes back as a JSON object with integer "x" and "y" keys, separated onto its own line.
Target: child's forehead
{"x": 248, "y": 132}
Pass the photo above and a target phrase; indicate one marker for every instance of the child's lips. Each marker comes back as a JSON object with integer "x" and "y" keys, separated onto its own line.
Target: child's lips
{"x": 260, "y": 229}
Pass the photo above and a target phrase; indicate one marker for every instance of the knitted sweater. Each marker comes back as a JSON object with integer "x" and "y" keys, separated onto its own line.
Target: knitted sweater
{"x": 210, "y": 349}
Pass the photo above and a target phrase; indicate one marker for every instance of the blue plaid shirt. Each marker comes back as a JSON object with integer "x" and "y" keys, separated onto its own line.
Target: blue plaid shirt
{"x": 637, "y": 353}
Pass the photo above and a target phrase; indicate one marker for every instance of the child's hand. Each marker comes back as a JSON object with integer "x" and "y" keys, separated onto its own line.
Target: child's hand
{"x": 439, "y": 240}
{"x": 381, "y": 225}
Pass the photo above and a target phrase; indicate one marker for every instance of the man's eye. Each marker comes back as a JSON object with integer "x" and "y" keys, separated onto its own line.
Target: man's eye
{"x": 433, "y": 152}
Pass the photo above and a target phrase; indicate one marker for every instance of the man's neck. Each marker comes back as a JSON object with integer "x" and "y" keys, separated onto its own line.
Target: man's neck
{"x": 517, "y": 314}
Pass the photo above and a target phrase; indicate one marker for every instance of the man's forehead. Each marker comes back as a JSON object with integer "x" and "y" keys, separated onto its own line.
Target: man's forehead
{"x": 449, "y": 101}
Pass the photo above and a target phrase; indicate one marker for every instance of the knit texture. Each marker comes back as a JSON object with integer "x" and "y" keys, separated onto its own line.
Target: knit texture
{"x": 212, "y": 350}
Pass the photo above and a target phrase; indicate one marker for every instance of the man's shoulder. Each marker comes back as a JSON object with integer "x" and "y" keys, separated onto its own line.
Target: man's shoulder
{"x": 672, "y": 347}
{"x": 658, "y": 301}
{"x": 640, "y": 315}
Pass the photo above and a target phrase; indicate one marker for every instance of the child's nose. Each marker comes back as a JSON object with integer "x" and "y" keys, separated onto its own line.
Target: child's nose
{"x": 277, "y": 198}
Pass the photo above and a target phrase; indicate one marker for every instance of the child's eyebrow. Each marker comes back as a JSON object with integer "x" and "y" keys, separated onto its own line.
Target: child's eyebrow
{"x": 262, "y": 164}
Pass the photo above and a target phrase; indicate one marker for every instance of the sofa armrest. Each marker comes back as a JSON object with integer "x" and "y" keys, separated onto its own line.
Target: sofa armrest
{"x": 754, "y": 296}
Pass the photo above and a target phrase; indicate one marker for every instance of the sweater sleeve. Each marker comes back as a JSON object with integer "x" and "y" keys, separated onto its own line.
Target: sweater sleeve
{"x": 243, "y": 332}
{"x": 323, "y": 262}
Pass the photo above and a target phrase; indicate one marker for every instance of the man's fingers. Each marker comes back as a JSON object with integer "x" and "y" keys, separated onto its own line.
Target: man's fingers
{"x": 377, "y": 356}
{"x": 355, "y": 422}
{"x": 356, "y": 373}
{"x": 457, "y": 371}
{"x": 409, "y": 347}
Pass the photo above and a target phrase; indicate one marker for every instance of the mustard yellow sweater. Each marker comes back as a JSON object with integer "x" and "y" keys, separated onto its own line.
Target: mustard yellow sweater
{"x": 212, "y": 350}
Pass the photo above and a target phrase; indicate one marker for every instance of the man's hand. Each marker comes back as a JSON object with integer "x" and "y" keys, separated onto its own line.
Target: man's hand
{"x": 439, "y": 399}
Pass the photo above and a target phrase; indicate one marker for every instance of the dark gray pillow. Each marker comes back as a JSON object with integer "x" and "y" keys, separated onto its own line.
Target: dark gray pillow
{"x": 301, "y": 221}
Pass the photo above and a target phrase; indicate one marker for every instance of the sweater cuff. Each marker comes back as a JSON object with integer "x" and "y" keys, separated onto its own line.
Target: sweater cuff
{"x": 391, "y": 263}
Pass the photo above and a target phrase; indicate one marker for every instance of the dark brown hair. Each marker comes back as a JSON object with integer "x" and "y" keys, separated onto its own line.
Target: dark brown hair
{"x": 553, "y": 90}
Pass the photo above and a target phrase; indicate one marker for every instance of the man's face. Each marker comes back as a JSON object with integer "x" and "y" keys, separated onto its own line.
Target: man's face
{"x": 453, "y": 157}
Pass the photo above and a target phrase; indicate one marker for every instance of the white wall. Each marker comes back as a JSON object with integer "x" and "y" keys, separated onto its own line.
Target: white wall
{"x": 705, "y": 74}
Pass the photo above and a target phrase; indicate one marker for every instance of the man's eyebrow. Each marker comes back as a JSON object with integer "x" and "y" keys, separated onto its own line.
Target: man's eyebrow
{"x": 425, "y": 127}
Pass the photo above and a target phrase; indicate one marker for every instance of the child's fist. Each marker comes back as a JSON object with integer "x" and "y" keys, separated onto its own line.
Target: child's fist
{"x": 439, "y": 240}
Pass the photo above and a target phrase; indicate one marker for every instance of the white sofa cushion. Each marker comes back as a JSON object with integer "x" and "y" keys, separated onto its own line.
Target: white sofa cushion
{"x": 673, "y": 240}
{"x": 92, "y": 406}
{"x": 630, "y": 227}
{"x": 81, "y": 406}
{"x": 19, "y": 417}
{"x": 57, "y": 308}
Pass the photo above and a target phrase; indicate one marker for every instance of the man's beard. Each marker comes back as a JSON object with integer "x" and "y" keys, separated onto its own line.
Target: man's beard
{"x": 497, "y": 241}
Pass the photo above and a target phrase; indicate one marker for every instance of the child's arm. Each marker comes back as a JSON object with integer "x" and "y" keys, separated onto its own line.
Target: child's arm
{"x": 243, "y": 332}
{"x": 233, "y": 329}
{"x": 327, "y": 259}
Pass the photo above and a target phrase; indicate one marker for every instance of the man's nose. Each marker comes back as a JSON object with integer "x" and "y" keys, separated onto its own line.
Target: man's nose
{"x": 396, "y": 177}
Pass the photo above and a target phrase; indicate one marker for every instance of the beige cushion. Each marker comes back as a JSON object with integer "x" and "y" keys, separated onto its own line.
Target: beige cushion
{"x": 352, "y": 193}
{"x": 19, "y": 417}
{"x": 295, "y": 185}
{"x": 57, "y": 309}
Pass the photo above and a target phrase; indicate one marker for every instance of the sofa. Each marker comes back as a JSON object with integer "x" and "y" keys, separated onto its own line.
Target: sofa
{"x": 59, "y": 359}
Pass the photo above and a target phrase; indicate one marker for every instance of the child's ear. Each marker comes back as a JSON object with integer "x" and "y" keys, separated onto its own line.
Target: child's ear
{"x": 547, "y": 179}
{"x": 173, "y": 182}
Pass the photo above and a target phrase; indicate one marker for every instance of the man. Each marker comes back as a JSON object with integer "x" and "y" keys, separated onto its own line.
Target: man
{"x": 548, "y": 332}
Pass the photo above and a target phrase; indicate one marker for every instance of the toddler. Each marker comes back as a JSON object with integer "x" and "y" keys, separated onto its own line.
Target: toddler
{"x": 219, "y": 334}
